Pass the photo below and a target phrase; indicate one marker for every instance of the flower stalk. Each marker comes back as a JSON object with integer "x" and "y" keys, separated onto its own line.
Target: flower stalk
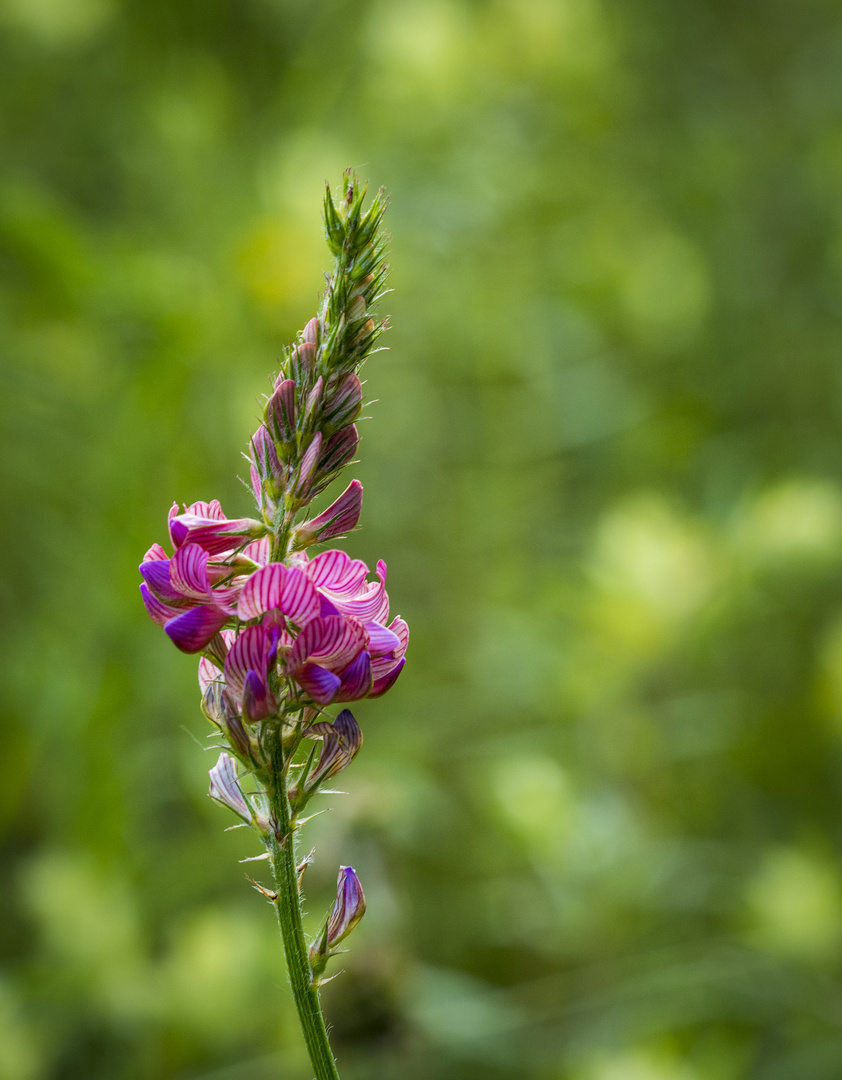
{"x": 287, "y": 903}
{"x": 283, "y": 635}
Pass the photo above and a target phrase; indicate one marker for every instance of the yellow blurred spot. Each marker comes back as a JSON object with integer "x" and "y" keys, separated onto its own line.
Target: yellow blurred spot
{"x": 653, "y": 570}
{"x": 534, "y": 797}
{"x": 829, "y": 682}
{"x": 281, "y": 263}
{"x": 58, "y": 22}
{"x": 665, "y": 287}
{"x": 22, "y": 1054}
{"x": 795, "y": 905}
{"x": 636, "y": 1064}
{"x": 427, "y": 40}
{"x": 796, "y": 519}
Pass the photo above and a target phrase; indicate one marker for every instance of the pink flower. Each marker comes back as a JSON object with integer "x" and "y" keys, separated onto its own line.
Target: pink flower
{"x": 321, "y": 623}
{"x": 194, "y": 593}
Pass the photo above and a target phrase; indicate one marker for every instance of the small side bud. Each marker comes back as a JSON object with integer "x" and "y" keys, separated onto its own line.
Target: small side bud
{"x": 225, "y": 788}
{"x": 340, "y": 517}
{"x": 303, "y": 482}
{"x": 337, "y": 452}
{"x": 342, "y": 406}
{"x": 280, "y": 411}
{"x": 312, "y": 332}
{"x": 347, "y": 911}
{"x": 312, "y": 410}
{"x": 302, "y": 360}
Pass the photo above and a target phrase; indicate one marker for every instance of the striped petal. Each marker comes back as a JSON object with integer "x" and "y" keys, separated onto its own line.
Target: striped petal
{"x": 248, "y": 653}
{"x": 158, "y": 611}
{"x": 332, "y": 641}
{"x": 255, "y": 699}
{"x": 355, "y": 679}
{"x": 337, "y": 571}
{"x": 225, "y": 788}
{"x": 262, "y": 592}
{"x": 275, "y": 586}
{"x": 192, "y": 631}
{"x": 382, "y": 684}
{"x": 258, "y": 551}
{"x": 208, "y": 673}
{"x": 189, "y": 572}
{"x": 381, "y": 640}
{"x": 156, "y": 574}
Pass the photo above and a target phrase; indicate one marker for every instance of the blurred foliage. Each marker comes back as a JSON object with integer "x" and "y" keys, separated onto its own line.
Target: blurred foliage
{"x": 599, "y": 819}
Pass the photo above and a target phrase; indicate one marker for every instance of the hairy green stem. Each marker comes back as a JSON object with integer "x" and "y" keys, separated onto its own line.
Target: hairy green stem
{"x": 288, "y": 907}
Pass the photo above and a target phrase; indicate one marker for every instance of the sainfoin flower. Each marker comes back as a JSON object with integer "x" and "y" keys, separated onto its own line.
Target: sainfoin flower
{"x": 282, "y": 634}
{"x": 320, "y": 623}
{"x": 193, "y": 594}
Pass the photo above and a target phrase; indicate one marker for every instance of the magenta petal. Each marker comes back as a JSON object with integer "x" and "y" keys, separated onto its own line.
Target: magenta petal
{"x": 383, "y": 684}
{"x": 192, "y": 631}
{"x": 262, "y": 592}
{"x": 326, "y": 607}
{"x": 398, "y": 626}
{"x": 355, "y": 679}
{"x": 159, "y": 612}
{"x": 218, "y": 537}
{"x": 300, "y": 602}
{"x": 249, "y": 652}
{"x": 318, "y": 682}
{"x": 156, "y": 574}
{"x": 381, "y": 640}
{"x": 189, "y": 571}
{"x": 332, "y": 640}
{"x": 337, "y": 572}
{"x": 255, "y": 698}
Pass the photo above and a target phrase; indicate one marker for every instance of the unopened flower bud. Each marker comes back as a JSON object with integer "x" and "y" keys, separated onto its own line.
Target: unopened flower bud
{"x": 341, "y": 742}
{"x": 347, "y": 911}
{"x": 301, "y": 362}
{"x": 340, "y": 517}
{"x": 255, "y": 698}
{"x": 303, "y": 482}
{"x": 225, "y": 788}
{"x": 220, "y": 710}
{"x": 312, "y": 332}
{"x": 264, "y": 458}
{"x": 356, "y": 309}
{"x": 280, "y": 411}
{"x": 338, "y": 451}
{"x": 342, "y": 405}
{"x": 313, "y": 407}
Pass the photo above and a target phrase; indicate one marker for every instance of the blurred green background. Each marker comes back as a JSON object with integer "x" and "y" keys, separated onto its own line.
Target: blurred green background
{"x": 599, "y": 818}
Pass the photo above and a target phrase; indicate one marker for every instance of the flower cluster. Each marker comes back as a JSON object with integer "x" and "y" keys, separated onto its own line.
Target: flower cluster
{"x": 282, "y": 634}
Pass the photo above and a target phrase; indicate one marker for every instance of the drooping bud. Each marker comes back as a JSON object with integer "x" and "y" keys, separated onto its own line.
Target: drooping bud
{"x": 220, "y": 710}
{"x": 341, "y": 742}
{"x": 225, "y": 788}
{"x": 340, "y": 517}
{"x": 347, "y": 911}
